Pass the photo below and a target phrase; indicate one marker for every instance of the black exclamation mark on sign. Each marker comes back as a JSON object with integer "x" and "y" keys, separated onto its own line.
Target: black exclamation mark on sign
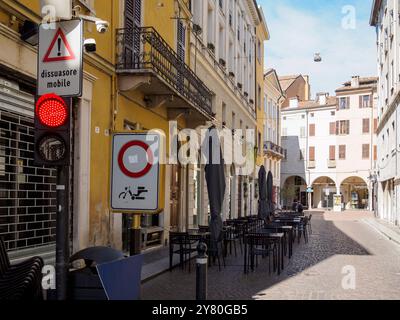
{"x": 59, "y": 47}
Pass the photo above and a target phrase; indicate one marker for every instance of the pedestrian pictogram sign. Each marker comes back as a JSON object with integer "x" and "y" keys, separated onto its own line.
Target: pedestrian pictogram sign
{"x": 59, "y": 49}
{"x": 135, "y": 172}
{"x": 60, "y": 58}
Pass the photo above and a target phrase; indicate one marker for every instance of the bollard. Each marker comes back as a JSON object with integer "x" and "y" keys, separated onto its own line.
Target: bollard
{"x": 201, "y": 272}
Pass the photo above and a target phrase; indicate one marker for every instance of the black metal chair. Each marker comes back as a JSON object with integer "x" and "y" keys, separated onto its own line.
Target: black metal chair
{"x": 232, "y": 236}
{"x": 185, "y": 248}
{"x": 216, "y": 250}
{"x": 259, "y": 245}
{"x": 20, "y": 281}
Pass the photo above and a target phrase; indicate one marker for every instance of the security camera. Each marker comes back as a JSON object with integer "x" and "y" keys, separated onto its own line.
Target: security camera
{"x": 90, "y": 45}
{"x": 101, "y": 26}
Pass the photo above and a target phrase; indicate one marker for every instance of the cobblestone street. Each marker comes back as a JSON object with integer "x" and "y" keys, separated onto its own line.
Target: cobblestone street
{"x": 316, "y": 270}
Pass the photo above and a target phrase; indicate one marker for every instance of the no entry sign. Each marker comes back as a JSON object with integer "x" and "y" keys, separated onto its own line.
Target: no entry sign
{"x": 135, "y": 172}
{"x": 60, "y": 58}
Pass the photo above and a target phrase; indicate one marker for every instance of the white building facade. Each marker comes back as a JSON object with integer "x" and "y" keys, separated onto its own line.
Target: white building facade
{"x": 331, "y": 148}
{"x": 385, "y": 17}
{"x": 226, "y": 53}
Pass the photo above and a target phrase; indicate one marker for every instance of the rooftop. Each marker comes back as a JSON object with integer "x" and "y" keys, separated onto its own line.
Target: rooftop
{"x": 364, "y": 83}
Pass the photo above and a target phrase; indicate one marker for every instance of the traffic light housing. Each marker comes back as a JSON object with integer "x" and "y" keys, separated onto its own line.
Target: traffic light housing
{"x": 52, "y": 130}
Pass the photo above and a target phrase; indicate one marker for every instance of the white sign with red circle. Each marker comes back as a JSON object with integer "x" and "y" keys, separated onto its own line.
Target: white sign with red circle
{"x": 135, "y": 172}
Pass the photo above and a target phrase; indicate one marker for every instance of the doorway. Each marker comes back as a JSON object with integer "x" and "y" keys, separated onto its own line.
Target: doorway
{"x": 175, "y": 197}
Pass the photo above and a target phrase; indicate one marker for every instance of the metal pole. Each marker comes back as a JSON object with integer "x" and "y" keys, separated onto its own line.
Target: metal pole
{"x": 62, "y": 234}
{"x": 201, "y": 272}
{"x": 135, "y": 235}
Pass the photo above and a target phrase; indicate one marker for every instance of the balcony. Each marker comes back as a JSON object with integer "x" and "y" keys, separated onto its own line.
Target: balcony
{"x": 331, "y": 164}
{"x": 146, "y": 62}
{"x": 274, "y": 150}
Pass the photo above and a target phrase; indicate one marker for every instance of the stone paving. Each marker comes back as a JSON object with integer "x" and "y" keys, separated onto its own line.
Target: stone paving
{"x": 341, "y": 245}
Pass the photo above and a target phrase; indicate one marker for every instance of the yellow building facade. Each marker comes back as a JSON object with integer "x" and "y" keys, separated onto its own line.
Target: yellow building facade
{"x": 136, "y": 80}
{"x": 140, "y": 78}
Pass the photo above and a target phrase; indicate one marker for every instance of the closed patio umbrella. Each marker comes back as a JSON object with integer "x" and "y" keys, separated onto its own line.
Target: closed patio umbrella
{"x": 215, "y": 177}
{"x": 270, "y": 182}
{"x": 262, "y": 186}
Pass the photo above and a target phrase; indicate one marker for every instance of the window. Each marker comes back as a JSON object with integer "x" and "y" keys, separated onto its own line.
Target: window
{"x": 365, "y": 151}
{"x": 333, "y": 113}
{"x": 342, "y": 152}
{"x": 312, "y": 153}
{"x": 302, "y": 132}
{"x": 365, "y": 126}
{"x": 332, "y": 153}
{"x": 312, "y": 130}
{"x": 312, "y": 115}
{"x": 224, "y": 113}
{"x": 344, "y": 103}
{"x": 265, "y": 104}
{"x": 332, "y": 128}
{"x": 343, "y": 127}
{"x": 365, "y": 101}
{"x": 259, "y": 142}
{"x": 259, "y": 98}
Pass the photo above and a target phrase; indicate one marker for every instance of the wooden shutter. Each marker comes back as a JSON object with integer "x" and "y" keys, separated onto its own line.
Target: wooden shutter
{"x": 332, "y": 128}
{"x": 181, "y": 41}
{"x": 375, "y": 153}
{"x": 375, "y": 125}
{"x": 337, "y": 104}
{"x": 133, "y": 19}
{"x": 348, "y": 103}
{"x": 181, "y": 50}
{"x": 365, "y": 126}
{"x": 337, "y": 127}
{"x": 371, "y": 100}
{"x": 312, "y": 153}
{"x": 342, "y": 152}
{"x": 361, "y": 101}
{"x": 347, "y": 131}
{"x": 312, "y": 130}
{"x": 365, "y": 151}
{"x": 332, "y": 152}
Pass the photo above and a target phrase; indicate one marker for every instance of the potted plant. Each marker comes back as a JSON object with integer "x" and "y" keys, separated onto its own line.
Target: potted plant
{"x": 211, "y": 47}
{"x": 239, "y": 85}
{"x": 222, "y": 62}
{"x": 246, "y": 94}
{"x": 231, "y": 74}
{"x": 251, "y": 101}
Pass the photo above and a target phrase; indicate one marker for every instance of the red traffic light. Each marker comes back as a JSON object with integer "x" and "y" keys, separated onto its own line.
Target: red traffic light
{"x": 51, "y": 110}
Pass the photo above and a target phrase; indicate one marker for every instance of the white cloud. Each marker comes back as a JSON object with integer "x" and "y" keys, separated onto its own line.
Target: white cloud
{"x": 296, "y": 35}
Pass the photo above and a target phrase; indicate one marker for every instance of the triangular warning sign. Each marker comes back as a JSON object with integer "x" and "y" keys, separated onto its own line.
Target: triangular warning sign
{"x": 59, "y": 49}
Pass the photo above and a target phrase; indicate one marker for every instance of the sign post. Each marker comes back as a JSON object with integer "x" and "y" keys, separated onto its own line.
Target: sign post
{"x": 135, "y": 178}
{"x": 60, "y": 59}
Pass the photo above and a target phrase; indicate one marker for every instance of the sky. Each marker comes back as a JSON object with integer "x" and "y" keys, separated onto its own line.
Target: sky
{"x": 301, "y": 28}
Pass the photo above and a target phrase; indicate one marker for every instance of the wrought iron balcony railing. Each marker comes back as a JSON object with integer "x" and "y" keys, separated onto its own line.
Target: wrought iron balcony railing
{"x": 274, "y": 149}
{"x": 142, "y": 49}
